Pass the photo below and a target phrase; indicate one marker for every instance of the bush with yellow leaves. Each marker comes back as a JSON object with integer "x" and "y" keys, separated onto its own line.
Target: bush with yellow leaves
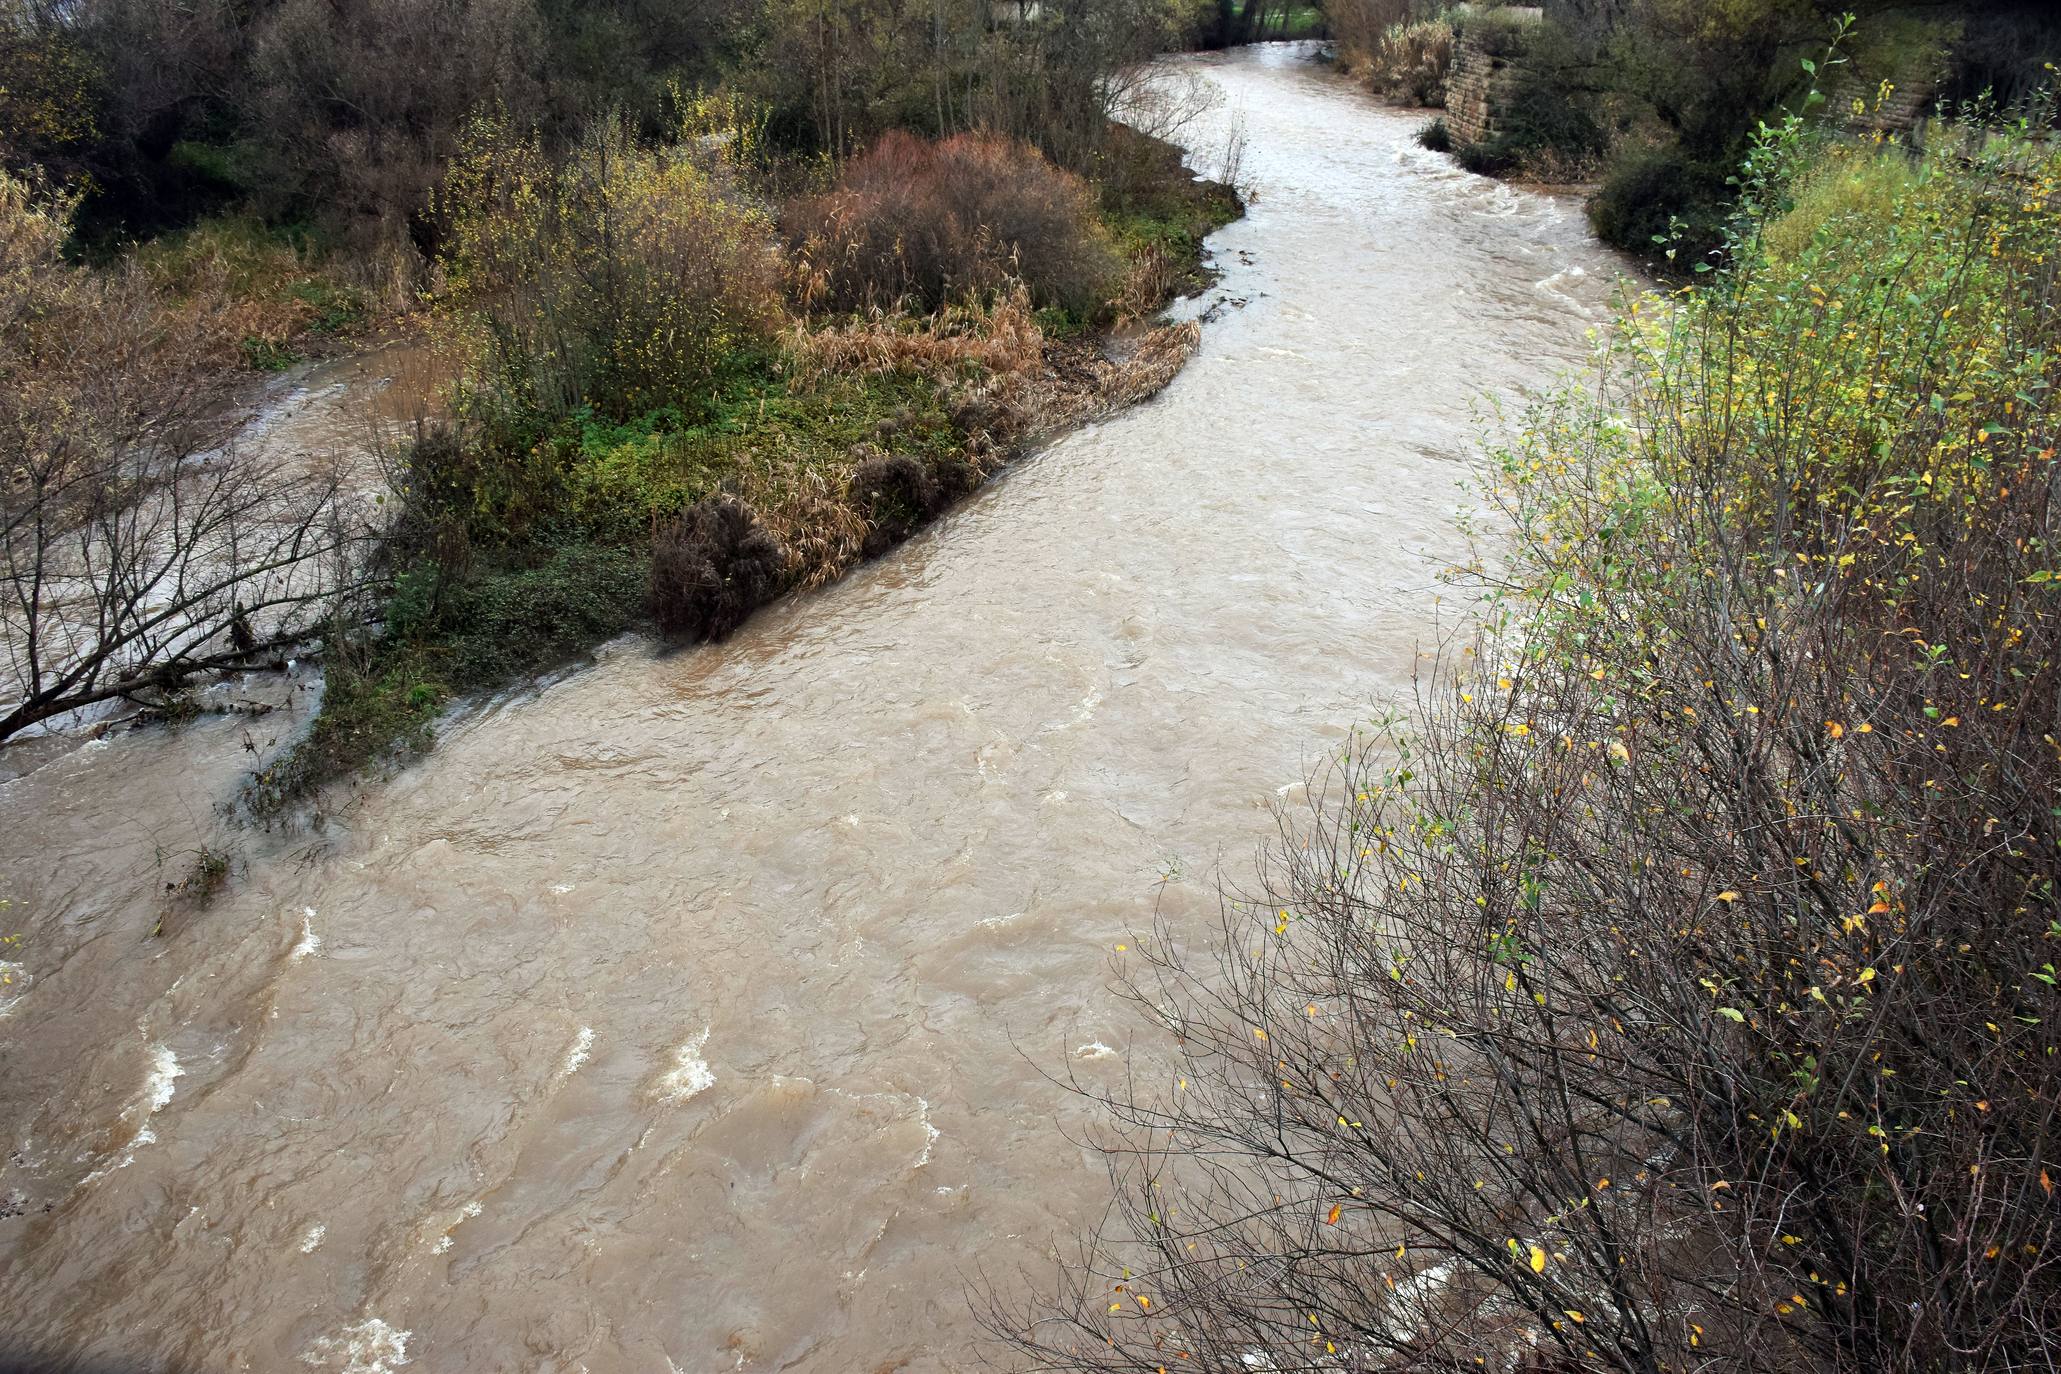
{"x": 1678, "y": 989}
{"x": 624, "y": 277}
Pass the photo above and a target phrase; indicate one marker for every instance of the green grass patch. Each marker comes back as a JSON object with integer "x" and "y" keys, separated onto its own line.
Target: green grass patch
{"x": 1152, "y": 201}
{"x": 447, "y": 637}
{"x": 560, "y": 559}
{"x": 266, "y": 355}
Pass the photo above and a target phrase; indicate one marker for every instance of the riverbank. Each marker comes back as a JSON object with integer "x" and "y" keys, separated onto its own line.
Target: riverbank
{"x": 1651, "y": 110}
{"x": 515, "y": 552}
{"x": 838, "y": 443}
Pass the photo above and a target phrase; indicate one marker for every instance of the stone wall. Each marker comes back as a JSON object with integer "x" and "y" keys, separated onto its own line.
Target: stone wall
{"x": 1477, "y": 87}
{"x": 1480, "y": 80}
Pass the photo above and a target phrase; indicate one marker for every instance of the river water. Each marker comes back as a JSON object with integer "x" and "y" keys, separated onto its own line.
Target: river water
{"x": 694, "y": 1011}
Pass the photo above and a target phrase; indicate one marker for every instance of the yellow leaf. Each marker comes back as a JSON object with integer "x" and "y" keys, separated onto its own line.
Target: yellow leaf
{"x": 1538, "y": 1260}
{"x": 1337, "y": 1210}
{"x": 1728, "y": 896}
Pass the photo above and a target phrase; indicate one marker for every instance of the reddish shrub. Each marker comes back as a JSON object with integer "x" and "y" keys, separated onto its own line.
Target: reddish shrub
{"x": 930, "y": 222}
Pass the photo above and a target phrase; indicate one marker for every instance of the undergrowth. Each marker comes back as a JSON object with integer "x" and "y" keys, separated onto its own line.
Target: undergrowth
{"x": 612, "y": 469}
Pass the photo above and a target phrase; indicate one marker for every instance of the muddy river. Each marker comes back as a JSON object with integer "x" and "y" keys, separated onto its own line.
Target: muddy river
{"x": 693, "y": 1011}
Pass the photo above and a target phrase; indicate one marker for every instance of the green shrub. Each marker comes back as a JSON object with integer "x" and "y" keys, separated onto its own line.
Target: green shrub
{"x": 1849, "y": 184}
{"x": 1659, "y": 201}
{"x": 1486, "y": 158}
{"x": 473, "y": 486}
{"x": 1436, "y": 136}
{"x": 504, "y": 624}
{"x": 1544, "y": 116}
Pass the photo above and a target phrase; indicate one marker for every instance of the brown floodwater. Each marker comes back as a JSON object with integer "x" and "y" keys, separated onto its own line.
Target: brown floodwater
{"x": 694, "y": 1011}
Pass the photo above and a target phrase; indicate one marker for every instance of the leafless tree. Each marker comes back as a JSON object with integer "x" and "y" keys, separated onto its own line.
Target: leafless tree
{"x": 1676, "y": 990}
{"x": 138, "y": 546}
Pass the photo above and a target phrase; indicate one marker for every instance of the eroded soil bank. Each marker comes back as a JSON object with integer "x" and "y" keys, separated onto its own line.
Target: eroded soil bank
{"x": 695, "y": 1010}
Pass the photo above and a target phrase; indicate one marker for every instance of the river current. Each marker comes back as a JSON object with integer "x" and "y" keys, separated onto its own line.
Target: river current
{"x": 697, "y": 1011}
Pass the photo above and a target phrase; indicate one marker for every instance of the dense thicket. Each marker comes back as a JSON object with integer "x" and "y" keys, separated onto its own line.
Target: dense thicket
{"x": 346, "y": 114}
{"x": 1677, "y": 989}
{"x": 922, "y": 223}
{"x": 1657, "y": 100}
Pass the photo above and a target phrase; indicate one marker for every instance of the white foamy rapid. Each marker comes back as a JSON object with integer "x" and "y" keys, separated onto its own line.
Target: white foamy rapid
{"x": 157, "y": 1088}
{"x": 690, "y": 1073}
{"x": 14, "y": 982}
{"x": 310, "y": 942}
{"x": 366, "y": 1347}
{"x": 577, "y": 1055}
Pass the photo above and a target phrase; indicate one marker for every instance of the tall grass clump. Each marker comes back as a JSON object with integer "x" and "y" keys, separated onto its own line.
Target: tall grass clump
{"x": 711, "y": 567}
{"x": 920, "y": 223}
{"x": 1677, "y": 989}
{"x": 1414, "y": 60}
{"x": 1400, "y": 53}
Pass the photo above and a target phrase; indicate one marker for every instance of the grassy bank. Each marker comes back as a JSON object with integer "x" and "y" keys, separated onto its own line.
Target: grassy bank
{"x": 802, "y": 443}
{"x": 281, "y": 295}
{"x": 1677, "y": 987}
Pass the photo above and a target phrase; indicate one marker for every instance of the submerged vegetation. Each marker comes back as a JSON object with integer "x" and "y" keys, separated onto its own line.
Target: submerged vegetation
{"x": 1677, "y": 988}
